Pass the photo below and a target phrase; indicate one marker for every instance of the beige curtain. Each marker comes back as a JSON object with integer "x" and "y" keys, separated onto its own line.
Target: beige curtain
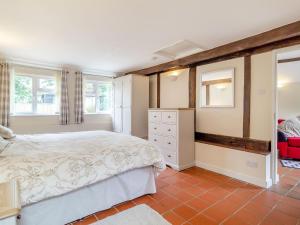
{"x": 64, "y": 99}
{"x": 4, "y": 94}
{"x": 78, "y": 98}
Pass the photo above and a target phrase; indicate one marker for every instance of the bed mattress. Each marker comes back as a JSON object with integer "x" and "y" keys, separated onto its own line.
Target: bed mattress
{"x": 49, "y": 165}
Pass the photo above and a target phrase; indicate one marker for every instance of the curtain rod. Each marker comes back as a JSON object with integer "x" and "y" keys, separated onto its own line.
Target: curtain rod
{"x": 57, "y": 67}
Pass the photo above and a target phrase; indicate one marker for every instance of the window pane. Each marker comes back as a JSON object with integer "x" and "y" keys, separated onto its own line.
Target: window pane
{"x": 90, "y": 104}
{"x": 46, "y": 98}
{"x": 47, "y": 84}
{"x": 104, "y": 98}
{"x": 23, "y": 94}
{"x": 89, "y": 87}
{"x": 46, "y": 103}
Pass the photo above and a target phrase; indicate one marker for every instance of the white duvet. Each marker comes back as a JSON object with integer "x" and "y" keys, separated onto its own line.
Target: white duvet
{"x": 49, "y": 165}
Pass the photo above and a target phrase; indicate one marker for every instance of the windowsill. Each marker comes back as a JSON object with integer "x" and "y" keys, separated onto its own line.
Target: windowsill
{"x": 99, "y": 113}
{"x": 32, "y": 115}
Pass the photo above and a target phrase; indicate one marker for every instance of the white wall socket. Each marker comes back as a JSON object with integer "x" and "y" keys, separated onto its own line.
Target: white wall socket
{"x": 252, "y": 164}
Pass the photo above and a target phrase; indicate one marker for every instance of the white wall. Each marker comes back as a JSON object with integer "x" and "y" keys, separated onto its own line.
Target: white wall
{"x": 289, "y": 100}
{"x": 174, "y": 91}
{"x": 250, "y": 167}
{"x": 261, "y": 96}
{"x": 222, "y": 121}
{"x": 50, "y": 123}
{"x": 153, "y": 91}
{"x": 246, "y": 166}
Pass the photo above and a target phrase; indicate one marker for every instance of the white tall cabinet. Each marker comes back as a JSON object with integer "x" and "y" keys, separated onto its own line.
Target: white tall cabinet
{"x": 131, "y": 102}
{"x": 172, "y": 130}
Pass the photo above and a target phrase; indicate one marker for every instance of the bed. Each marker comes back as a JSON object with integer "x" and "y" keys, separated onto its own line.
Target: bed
{"x": 66, "y": 176}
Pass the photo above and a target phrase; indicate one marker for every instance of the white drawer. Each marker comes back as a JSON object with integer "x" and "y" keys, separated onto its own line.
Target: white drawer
{"x": 168, "y": 130}
{"x": 170, "y": 157}
{"x": 155, "y": 139}
{"x": 154, "y": 116}
{"x": 169, "y": 143}
{"x": 169, "y": 117}
{"x": 155, "y": 128}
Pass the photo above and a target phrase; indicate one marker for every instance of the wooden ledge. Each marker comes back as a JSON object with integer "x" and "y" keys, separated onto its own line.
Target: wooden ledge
{"x": 242, "y": 144}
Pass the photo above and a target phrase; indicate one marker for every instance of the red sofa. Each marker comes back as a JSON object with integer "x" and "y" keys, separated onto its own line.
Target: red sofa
{"x": 289, "y": 147}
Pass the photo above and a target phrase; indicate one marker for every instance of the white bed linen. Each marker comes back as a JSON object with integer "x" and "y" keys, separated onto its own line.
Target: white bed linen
{"x": 49, "y": 165}
{"x": 87, "y": 200}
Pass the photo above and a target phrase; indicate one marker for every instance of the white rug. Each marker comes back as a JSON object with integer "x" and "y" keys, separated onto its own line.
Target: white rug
{"x": 291, "y": 163}
{"x": 138, "y": 215}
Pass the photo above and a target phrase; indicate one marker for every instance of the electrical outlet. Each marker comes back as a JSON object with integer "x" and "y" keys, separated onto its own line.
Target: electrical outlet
{"x": 252, "y": 164}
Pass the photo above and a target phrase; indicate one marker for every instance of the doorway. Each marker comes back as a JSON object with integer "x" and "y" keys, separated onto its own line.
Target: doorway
{"x": 286, "y": 124}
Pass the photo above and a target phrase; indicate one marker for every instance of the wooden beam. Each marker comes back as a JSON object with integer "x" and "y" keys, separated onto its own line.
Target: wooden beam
{"x": 158, "y": 91}
{"x": 192, "y": 87}
{"x": 247, "y": 96}
{"x": 276, "y": 35}
{"x": 289, "y": 60}
{"x": 238, "y": 143}
{"x": 219, "y": 81}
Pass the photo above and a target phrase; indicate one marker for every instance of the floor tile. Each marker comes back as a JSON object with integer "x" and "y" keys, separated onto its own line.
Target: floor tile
{"x": 200, "y": 219}
{"x": 173, "y": 218}
{"x": 196, "y": 196}
{"x": 185, "y": 212}
{"x": 103, "y": 214}
{"x": 276, "y": 217}
{"x": 86, "y": 221}
{"x": 198, "y": 204}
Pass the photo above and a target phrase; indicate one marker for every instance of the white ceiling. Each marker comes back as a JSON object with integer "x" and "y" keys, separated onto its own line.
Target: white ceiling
{"x": 289, "y": 72}
{"x": 119, "y": 35}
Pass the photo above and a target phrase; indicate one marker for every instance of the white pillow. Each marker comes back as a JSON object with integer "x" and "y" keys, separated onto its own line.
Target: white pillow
{"x": 6, "y": 132}
{"x": 3, "y": 144}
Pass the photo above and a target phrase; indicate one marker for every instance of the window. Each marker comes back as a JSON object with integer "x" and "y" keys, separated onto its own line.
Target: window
{"x": 97, "y": 97}
{"x": 34, "y": 95}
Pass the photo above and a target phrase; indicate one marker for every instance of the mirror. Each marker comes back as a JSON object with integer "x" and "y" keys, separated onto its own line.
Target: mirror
{"x": 217, "y": 88}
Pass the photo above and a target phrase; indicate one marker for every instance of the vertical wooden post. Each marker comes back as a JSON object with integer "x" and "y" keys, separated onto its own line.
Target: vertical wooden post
{"x": 247, "y": 96}
{"x": 192, "y": 87}
{"x": 158, "y": 90}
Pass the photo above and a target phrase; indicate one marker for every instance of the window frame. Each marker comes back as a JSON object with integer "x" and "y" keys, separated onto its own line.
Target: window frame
{"x": 35, "y": 89}
{"x": 97, "y": 94}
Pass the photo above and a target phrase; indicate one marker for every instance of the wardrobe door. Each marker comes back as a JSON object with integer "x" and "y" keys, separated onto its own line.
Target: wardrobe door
{"x": 126, "y": 116}
{"x": 127, "y": 91}
{"x": 118, "y": 102}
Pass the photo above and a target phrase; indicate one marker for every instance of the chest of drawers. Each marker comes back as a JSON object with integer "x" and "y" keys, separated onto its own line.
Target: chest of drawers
{"x": 172, "y": 130}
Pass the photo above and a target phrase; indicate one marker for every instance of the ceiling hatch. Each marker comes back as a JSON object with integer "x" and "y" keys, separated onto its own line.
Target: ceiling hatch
{"x": 179, "y": 49}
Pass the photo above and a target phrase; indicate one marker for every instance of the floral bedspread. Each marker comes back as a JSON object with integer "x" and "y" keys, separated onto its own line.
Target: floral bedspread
{"x": 48, "y": 165}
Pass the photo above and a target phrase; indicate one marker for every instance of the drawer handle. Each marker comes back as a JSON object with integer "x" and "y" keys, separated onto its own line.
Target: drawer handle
{"x": 155, "y": 140}
{"x": 169, "y": 156}
{"x": 169, "y": 129}
{"x": 169, "y": 117}
{"x": 155, "y": 128}
{"x": 154, "y": 116}
{"x": 169, "y": 143}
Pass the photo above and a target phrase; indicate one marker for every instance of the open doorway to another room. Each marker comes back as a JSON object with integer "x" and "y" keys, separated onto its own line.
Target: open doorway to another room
{"x": 287, "y": 127}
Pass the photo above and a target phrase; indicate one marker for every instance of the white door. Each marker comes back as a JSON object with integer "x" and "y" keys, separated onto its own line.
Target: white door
{"x": 118, "y": 98}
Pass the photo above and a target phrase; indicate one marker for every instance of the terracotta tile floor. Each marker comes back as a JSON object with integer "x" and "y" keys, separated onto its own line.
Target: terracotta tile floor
{"x": 289, "y": 184}
{"x": 196, "y": 196}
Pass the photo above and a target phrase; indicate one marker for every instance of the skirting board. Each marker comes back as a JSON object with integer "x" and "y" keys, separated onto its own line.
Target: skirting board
{"x": 181, "y": 167}
{"x": 252, "y": 180}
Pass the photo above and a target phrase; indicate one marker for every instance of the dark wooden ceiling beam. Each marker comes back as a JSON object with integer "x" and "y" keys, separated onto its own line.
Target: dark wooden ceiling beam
{"x": 260, "y": 40}
{"x": 289, "y": 60}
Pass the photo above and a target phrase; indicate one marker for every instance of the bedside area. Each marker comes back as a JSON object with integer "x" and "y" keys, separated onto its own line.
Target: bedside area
{"x": 10, "y": 206}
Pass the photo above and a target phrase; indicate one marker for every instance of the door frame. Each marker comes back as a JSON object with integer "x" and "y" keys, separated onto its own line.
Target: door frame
{"x": 274, "y": 151}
